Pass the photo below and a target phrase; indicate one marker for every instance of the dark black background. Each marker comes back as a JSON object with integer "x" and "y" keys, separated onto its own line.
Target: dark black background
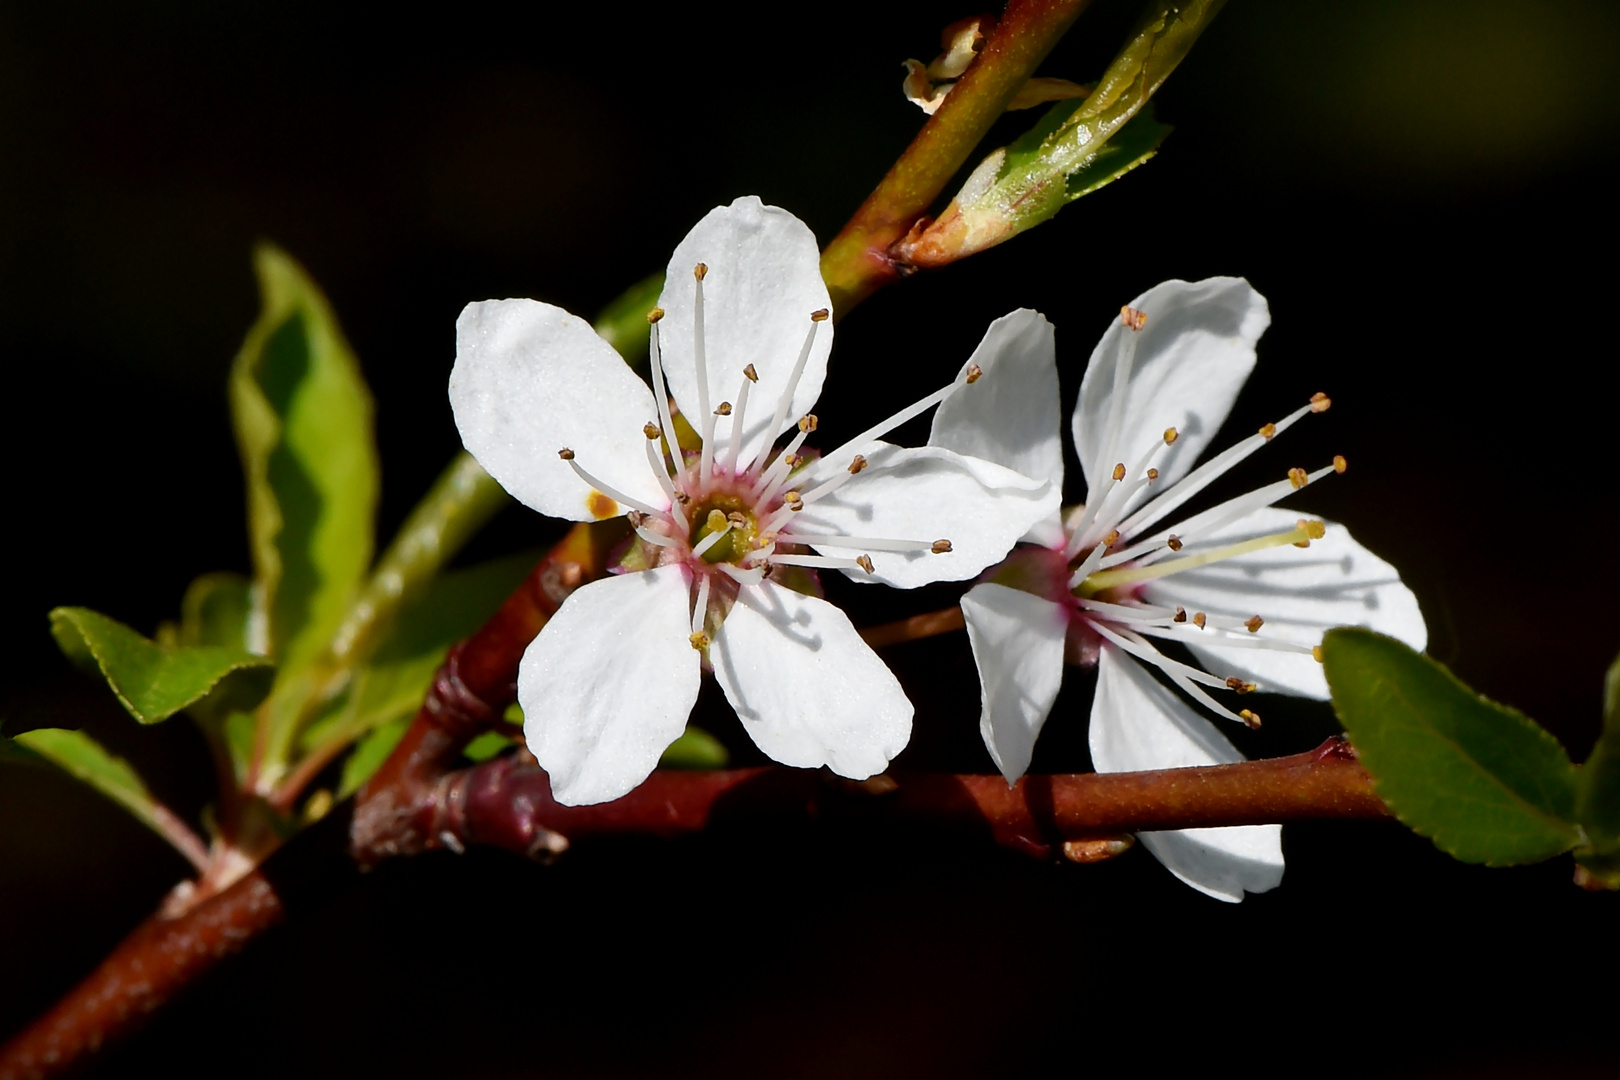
{"x": 1423, "y": 190}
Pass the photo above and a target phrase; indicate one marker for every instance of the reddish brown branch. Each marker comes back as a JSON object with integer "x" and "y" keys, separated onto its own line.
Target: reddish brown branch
{"x": 508, "y": 804}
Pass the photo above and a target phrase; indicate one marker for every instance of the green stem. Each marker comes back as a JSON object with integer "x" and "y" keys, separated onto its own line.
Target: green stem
{"x": 857, "y": 262}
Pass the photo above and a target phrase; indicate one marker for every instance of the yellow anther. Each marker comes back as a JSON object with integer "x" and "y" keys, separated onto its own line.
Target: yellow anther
{"x": 1119, "y": 471}
{"x": 764, "y": 539}
{"x": 1316, "y": 653}
{"x": 819, "y": 315}
{"x": 973, "y": 373}
{"x": 655, "y": 314}
{"x": 1235, "y": 683}
{"x": 1268, "y": 431}
{"x": 1339, "y": 464}
{"x": 1180, "y": 615}
{"x": 856, "y": 464}
{"x": 750, "y": 374}
{"x": 1304, "y": 526}
{"x": 1111, "y": 539}
{"x": 723, "y": 409}
{"x": 566, "y": 454}
{"x": 1314, "y": 529}
{"x": 1132, "y": 319}
{"x": 1199, "y": 618}
{"x": 650, "y": 430}
{"x": 1251, "y": 718}
{"x": 1320, "y": 402}
{"x": 807, "y": 423}
{"x": 792, "y": 460}
{"x": 1254, "y": 623}
{"x": 1153, "y": 474}
{"x": 700, "y": 271}
{"x": 1174, "y": 543}
{"x": 700, "y": 641}
{"x": 864, "y": 562}
{"x": 1298, "y": 477}
{"x": 793, "y": 500}
{"x": 940, "y": 547}
{"x": 716, "y": 521}
{"x": 1171, "y": 435}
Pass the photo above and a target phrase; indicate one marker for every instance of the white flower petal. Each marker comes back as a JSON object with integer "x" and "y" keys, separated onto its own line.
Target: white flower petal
{"x": 1010, "y": 415}
{"x": 1017, "y": 642}
{"x": 808, "y": 690}
{"x": 609, "y": 684}
{"x": 1137, "y": 724}
{"x": 927, "y": 493}
{"x": 531, "y": 379}
{"x": 1299, "y": 594}
{"x": 763, "y": 282}
{"x": 1191, "y": 360}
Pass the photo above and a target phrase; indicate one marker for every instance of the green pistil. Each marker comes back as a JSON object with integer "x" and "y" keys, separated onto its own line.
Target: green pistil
{"x": 1131, "y": 575}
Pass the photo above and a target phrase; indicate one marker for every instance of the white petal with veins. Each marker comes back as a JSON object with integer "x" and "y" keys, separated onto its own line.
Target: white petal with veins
{"x": 1017, "y": 642}
{"x": 1300, "y": 595}
{"x": 927, "y": 493}
{"x": 763, "y": 283}
{"x": 1137, "y": 724}
{"x": 808, "y": 690}
{"x": 1191, "y": 360}
{"x": 609, "y": 683}
{"x": 531, "y": 379}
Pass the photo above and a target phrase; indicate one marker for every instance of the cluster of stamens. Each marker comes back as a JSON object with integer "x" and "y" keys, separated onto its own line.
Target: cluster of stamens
{"x": 730, "y": 519}
{"x": 1113, "y": 553}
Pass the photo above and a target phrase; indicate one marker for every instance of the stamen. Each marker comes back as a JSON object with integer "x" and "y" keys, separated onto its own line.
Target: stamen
{"x": 916, "y": 408}
{"x": 856, "y": 464}
{"x": 751, "y": 576}
{"x": 1268, "y": 431}
{"x": 1174, "y": 543}
{"x": 750, "y": 377}
{"x": 1180, "y": 674}
{"x": 1316, "y": 653}
{"x": 700, "y": 609}
{"x": 655, "y": 461}
{"x": 1250, "y": 718}
{"x": 1254, "y": 623}
{"x": 871, "y": 543}
{"x": 1339, "y": 464}
{"x": 661, "y": 395}
{"x": 808, "y": 423}
{"x": 1131, "y": 575}
{"x": 1087, "y": 566}
{"x": 1170, "y": 436}
{"x": 865, "y": 562}
{"x": 1181, "y": 614}
{"x": 1217, "y": 517}
{"x": 650, "y": 430}
{"x": 612, "y": 493}
{"x": 700, "y": 641}
{"x": 1200, "y": 478}
{"x": 706, "y": 458}
{"x": 818, "y": 562}
{"x": 723, "y": 409}
{"x": 785, "y": 402}
{"x": 657, "y": 539}
{"x": 940, "y": 547}
{"x": 1132, "y": 319}
{"x": 1235, "y": 683}
{"x": 973, "y": 373}
{"x": 773, "y": 478}
{"x": 1320, "y": 402}
{"x": 1199, "y": 619}
{"x": 1119, "y": 471}
{"x": 1298, "y": 477}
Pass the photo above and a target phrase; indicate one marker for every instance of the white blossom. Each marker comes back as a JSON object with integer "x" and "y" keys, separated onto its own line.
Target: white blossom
{"x": 741, "y": 339}
{"x": 1229, "y": 583}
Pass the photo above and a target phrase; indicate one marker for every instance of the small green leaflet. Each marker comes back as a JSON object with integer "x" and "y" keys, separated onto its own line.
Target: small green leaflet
{"x": 1599, "y": 798}
{"x": 1484, "y": 782}
{"x": 86, "y": 760}
{"x": 153, "y": 681}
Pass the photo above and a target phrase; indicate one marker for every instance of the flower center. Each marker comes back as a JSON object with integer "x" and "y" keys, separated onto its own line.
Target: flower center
{"x": 731, "y": 522}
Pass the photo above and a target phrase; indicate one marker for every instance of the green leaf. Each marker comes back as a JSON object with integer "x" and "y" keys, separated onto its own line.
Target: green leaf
{"x": 486, "y": 746}
{"x": 1484, "y": 782}
{"x": 695, "y": 749}
{"x": 153, "y": 681}
{"x": 369, "y": 755}
{"x": 623, "y": 323}
{"x": 1599, "y": 797}
{"x": 83, "y": 758}
{"x": 393, "y": 684}
{"x": 303, "y": 420}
